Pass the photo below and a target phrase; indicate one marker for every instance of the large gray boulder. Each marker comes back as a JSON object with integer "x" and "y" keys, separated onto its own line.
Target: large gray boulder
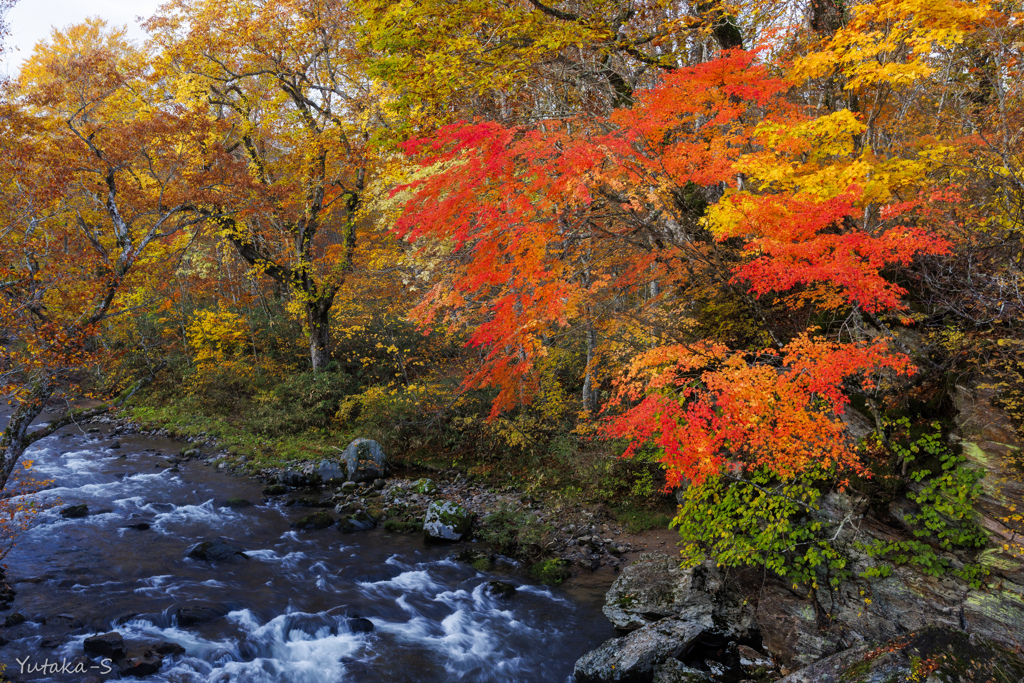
{"x": 446, "y": 521}
{"x": 331, "y": 473}
{"x": 654, "y": 586}
{"x": 365, "y": 460}
{"x": 635, "y": 657}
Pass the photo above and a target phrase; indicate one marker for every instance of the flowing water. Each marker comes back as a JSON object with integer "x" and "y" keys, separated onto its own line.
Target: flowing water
{"x": 290, "y": 607}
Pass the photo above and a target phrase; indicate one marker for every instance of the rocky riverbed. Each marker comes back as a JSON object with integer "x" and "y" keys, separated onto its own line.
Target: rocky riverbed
{"x": 156, "y": 564}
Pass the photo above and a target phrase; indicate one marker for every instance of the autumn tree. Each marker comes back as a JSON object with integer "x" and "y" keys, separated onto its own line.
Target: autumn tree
{"x": 97, "y": 177}
{"x": 286, "y": 78}
{"x": 520, "y": 205}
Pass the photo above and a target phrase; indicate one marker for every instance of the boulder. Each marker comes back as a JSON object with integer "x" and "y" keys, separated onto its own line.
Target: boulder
{"x": 359, "y": 625}
{"x": 331, "y": 473}
{"x": 316, "y": 520}
{"x": 932, "y": 655}
{"x": 216, "y": 551}
{"x": 75, "y": 511}
{"x": 635, "y": 657}
{"x": 655, "y": 586}
{"x": 446, "y": 521}
{"x": 275, "y": 490}
{"x": 110, "y": 645}
{"x": 237, "y": 503}
{"x": 365, "y": 460}
{"x": 360, "y": 521}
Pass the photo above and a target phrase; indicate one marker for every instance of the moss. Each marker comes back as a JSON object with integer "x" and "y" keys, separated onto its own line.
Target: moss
{"x": 550, "y": 571}
{"x": 626, "y": 601}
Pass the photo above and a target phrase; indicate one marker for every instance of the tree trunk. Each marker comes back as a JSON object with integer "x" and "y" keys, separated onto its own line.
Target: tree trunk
{"x": 589, "y": 393}
{"x": 14, "y": 440}
{"x": 318, "y": 318}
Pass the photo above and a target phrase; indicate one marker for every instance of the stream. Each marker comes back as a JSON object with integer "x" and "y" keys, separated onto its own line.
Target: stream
{"x": 290, "y": 612}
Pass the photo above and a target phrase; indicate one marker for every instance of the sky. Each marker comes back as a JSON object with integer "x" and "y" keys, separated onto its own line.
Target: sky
{"x": 32, "y": 20}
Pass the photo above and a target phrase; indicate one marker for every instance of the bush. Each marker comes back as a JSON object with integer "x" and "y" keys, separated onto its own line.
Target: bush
{"x": 517, "y": 533}
{"x": 761, "y": 521}
{"x": 302, "y": 402}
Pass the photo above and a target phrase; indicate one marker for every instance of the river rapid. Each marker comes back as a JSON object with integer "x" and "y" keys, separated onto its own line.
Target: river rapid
{"x": 288, "y": 611}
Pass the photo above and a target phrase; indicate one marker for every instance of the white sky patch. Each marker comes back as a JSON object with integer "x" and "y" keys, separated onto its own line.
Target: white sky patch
{"x": 32, "y": 20}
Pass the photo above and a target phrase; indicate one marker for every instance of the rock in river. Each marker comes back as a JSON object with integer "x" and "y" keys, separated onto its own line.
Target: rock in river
{"x": 216, "y": 551}
{"x": 110, "y": 645}
{"x": 190, "y": 615}
{"x": 75, "y": 511}
{"x": 317, "y": 520}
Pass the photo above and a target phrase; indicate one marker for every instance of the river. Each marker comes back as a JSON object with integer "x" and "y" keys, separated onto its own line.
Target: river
{"x": 289, "y": 608}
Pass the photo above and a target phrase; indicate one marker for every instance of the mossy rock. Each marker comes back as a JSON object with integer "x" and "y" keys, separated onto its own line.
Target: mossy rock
{"x": 237, "y": 503}
{"x": 424, "y": 486}
{"x": 480, "y": 561}
{"x": 446, "y": 521}
{"x": 75, "y": 511}
{"x": 551, "y": 571}
{"x": 317, "y": 520}
{"x": 360, "y": 521}
{"x": 275, "y": 490}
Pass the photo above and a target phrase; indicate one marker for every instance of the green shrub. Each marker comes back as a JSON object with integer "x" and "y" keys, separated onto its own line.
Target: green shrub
{"x": 761, "y": 522}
